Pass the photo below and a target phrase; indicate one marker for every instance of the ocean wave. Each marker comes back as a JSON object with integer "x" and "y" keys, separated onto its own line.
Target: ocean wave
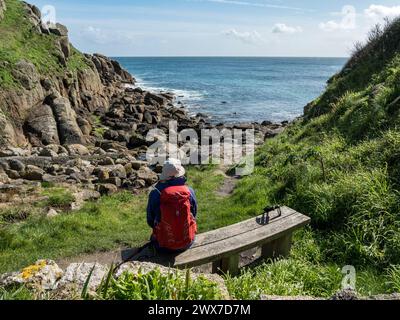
{"x": 180, "y": 94}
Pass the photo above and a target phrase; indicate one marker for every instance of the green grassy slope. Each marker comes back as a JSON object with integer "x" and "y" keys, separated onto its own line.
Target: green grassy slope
{"x": 18, "y": 41}
{"x": 343, "y": 169}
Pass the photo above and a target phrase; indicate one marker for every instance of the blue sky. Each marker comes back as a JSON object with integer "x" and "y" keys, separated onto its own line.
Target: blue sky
{"x": 219, "y": 27}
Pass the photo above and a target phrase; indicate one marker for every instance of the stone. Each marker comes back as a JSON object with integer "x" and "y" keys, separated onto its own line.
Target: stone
{"x": 115, "y": 181}
{"x": 117, "y": 112}
{"x": 71, "y": 171}
{"x": 85, "y": 126}
{"x": 4, "y": 179}
{"x": 51, "y": 213}
{"x": 150, "y": 98}
{"x": 27, "y": 75}
{"x": 77, "y": 150}
{"x": 59, "y": 178}
{"x": 110, "y": 145}
{"x": 137, "y": 140}
{"x": 82, "y": 196}
{"x": 12, "y": 174}
{"x": 62, "y": 151}
{"x": 266, "y": 123}
{"x": 139, "y": 184}
{"x": 148, "y": 117}
{"x": 147, "y": 175}
{"x": 16, "y": 165}
{"x": 107, "y": 189}
{"x": 42, "y": 276}
{"x": 136, "y": 165}
{"x": 158, "y": 168}
{"x": 287, "y": 298}
{"x": 139, "y": 109}
{"x": 271, "y": 133}
{"x": 345, "y": 295}
{"x": 68, "y": 129}
{"x": 107, "y": 161}
{"x": 48, "y": 153}
{"x": 59, "y": 30}
{"x": 102, "y": 173}
{"x": 42, "y": 125}
{"x": 33, "y": 173}
{"x": 128, "y": 168}
{"x": 99, "y": 151}
{"x": 77, "y": 274}
{"x": 117, "y": 170}
{"x": 33, "y": 14}
{"x": 65, "y": 47}
{"x": 14, "y": 152}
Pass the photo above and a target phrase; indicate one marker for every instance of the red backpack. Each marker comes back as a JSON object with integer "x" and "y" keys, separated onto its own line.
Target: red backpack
{"x": 177, "y": 228}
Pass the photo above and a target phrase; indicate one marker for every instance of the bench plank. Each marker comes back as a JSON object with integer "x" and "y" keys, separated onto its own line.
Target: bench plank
{"x": 240, "y": 228}
{"x": 234, "y": 240}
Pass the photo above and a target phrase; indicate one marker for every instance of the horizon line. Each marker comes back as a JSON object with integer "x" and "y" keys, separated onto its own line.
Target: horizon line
{"x": 210, "y": 56}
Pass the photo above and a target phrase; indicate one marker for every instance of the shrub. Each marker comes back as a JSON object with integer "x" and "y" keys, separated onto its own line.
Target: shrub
{"x": 155, "y": 285}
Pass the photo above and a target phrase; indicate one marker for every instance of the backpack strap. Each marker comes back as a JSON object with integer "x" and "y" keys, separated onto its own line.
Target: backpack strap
{"x": 157, "y": 190}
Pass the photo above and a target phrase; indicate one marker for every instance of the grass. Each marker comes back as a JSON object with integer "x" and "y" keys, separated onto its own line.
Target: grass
{"x": 119, "y": 220}
{"x": 110, "y": 223}
{"x": 58, "y": 197}
{"x": 16, "y": 293}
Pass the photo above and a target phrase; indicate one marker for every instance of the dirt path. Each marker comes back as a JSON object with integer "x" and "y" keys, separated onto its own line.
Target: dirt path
{"x": 228, "y": 186}
{"x": 104, "y": 258}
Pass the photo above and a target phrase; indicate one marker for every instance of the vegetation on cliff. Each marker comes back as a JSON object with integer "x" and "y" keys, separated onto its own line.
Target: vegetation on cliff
{"x": 19, "y": 41}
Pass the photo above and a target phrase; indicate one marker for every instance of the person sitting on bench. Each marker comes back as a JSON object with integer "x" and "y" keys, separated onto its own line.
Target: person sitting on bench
{"x": 172, "y": 210}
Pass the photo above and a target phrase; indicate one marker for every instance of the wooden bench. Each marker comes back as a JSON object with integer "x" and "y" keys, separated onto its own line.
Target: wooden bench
{"x": 272, "y": 232}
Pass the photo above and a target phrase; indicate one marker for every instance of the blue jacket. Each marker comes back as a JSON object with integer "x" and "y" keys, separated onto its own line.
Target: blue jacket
{"x": 153, "y": 207}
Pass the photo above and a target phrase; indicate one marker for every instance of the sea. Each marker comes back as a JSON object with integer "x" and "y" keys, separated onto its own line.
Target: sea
{"x": 237, "y": 89}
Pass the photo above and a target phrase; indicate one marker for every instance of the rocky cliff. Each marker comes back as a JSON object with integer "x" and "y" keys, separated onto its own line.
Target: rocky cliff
{"x": 41, "y": 108}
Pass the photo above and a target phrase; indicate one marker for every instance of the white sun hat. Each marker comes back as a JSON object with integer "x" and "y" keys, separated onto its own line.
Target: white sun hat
{"x": 172, "y": 169}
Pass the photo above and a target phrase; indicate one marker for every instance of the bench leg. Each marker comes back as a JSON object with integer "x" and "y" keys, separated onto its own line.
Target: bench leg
{"x": 278, "y": 248}
{"x": 225, "y": 265}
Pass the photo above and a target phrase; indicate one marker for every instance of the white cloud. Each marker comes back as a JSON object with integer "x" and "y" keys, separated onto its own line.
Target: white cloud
{"x": 103, "y": 37}
{"x": 255, "y": 4}
{"x": 252, "y": 37}
{"x": 378, "y": 12}
{"x": 283, "y": 28}
{"x": 95, "y": 35}
{"x": 348, "y": 22}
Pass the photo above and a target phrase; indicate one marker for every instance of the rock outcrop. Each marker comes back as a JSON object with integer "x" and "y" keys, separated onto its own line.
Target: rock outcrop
{"x": 46, "y": 276}
{"x": 68, "y": 129}
{"x": 88, "y": 89}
